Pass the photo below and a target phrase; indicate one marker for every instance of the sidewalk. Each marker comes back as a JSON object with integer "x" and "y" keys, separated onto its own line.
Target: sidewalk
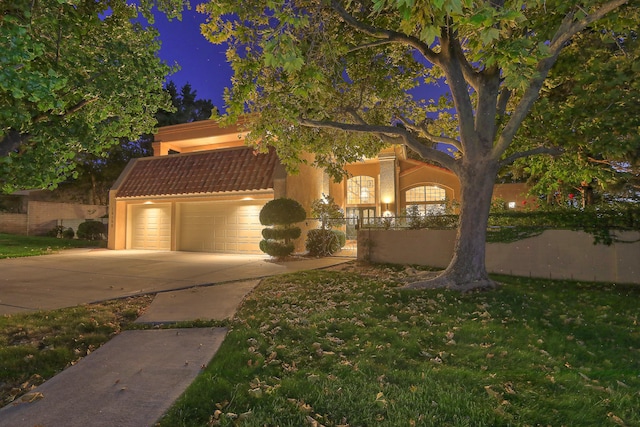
{"x": 132, "y": 380}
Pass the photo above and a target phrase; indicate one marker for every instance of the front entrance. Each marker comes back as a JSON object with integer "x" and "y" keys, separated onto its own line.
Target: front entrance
{"x": 357, "y": 217}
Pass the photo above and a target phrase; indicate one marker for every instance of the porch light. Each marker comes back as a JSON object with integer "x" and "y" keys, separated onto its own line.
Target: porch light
{"x": 512, "y": 205}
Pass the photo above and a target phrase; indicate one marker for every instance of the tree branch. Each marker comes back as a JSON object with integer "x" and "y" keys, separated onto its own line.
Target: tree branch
{"x": 503, "y": 101}
{"x": 552, "y": 151}
{"x": 470, "y": 74}
{"x": 453, "y": 65}
{"x": 429, "y": 136}
{"x": 389, "y": 134}
{"x": 72, "y": 110}
{"x": 386, "y": 35}
{"x": 369, "y": 45}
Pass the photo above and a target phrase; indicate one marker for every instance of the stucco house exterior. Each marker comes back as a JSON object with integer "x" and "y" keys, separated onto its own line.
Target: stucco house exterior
{"x": 203, "y": 191}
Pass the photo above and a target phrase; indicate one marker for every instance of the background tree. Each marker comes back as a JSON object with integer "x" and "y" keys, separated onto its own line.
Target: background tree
{"x": 594, "y": 116}
{"x": 333, "y": 77}
{"x": 97, "y": 173}
{"x": 186, "y": 106}
{"x": 76, "y": 77}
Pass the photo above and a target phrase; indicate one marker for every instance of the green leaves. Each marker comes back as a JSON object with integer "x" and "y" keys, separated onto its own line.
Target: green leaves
{"x": 74, "y": 91}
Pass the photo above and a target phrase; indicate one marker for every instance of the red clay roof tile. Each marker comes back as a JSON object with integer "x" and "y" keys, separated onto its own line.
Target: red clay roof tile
{"x": 236, "y": 169}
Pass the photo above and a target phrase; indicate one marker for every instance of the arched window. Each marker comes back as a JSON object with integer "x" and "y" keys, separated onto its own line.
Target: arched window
{"x": 361, "y": 190}
{"x": 428, "y": 199}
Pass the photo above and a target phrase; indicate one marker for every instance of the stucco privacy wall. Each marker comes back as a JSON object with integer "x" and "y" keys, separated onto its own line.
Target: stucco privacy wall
{"x": 13, "y": 223}
{"x": 557, "y": 254}
{"x": 42, "y": 217}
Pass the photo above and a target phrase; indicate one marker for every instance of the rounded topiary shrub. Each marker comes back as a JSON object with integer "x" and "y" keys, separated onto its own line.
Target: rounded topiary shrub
{"x": 91, "y": 230}
{"x": 322, "y": 242}
{"x": 281, "y": 233}
{"x": 276, "y": 248}
{"x": 282, "y": 211}
{"x": 281, "y": 214}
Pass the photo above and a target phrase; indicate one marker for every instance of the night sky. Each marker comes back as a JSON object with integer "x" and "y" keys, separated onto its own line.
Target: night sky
{"x": 202, "y": 63}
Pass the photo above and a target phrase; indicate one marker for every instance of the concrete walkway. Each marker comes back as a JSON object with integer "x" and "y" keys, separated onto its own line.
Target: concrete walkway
{"x": 132, "y": 380}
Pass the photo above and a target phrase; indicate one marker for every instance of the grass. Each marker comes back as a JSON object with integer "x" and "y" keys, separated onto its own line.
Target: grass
{"x": 349, "y": 348}
{"x": 36, "y": 346}
{"x": 14, "y": 246}
{"x": 342, "y": 349}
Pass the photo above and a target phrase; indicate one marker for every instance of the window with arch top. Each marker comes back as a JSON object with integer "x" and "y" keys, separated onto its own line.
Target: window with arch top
{"x": 429, "y": 199}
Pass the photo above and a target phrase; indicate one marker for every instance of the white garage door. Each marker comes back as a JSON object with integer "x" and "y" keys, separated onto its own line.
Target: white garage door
{"x": 229, "y": 226}
{"x": 150, "y": 227}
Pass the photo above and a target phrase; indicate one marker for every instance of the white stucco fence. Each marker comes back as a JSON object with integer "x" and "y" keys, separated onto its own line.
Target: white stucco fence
{"x": 557, "y": 254}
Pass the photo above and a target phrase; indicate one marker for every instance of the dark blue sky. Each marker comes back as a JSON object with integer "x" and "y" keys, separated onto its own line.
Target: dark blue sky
{"x": 202, "y": 63}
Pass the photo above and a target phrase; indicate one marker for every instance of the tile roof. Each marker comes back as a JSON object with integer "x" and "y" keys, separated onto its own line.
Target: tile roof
{"x": 237, "y": 169}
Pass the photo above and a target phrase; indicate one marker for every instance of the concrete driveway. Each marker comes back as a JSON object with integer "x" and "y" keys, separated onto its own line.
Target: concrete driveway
{"x": 81, "y": 276}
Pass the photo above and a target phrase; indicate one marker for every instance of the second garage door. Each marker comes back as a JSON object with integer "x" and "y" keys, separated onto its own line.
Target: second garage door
{"x": 228, "y": 226}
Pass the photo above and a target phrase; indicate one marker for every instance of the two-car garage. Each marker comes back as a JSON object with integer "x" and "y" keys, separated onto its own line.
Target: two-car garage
{"x": 207, "y": 226}
{"x": 206, "y": 201}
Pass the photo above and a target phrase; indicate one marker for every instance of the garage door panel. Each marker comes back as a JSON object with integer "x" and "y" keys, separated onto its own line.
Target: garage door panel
{"x": 150, "y": 227}
{"x": 231, "y": 227}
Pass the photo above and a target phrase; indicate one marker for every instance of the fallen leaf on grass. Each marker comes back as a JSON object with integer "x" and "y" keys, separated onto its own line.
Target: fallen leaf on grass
{"x": 508, "y": 387}
{"x": 312, "y": 422}
{"x": 616, "y": 419}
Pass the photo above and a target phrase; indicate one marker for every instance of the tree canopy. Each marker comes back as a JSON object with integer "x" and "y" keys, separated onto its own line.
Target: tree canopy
{"x": 76, "y": 76}
{"x": 334, "y": 77}
{"x": 589, "y": 107}
{"x": 97, "y": 173}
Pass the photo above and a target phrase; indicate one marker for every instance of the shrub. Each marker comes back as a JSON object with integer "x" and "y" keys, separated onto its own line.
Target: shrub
{"x": 322, "y": 242}
{"x": 56, "y": 231}
{"x": 290, "y": 233}
{"x": 68, "y": 233}
{"x": 342, "y": 237}
{"x": 281, "y": 214}
{"x": 282, "y": 211}
{"x": 91, "y": 230}
{"x": 328, "y": 212}
{"x": 276, "y": 248}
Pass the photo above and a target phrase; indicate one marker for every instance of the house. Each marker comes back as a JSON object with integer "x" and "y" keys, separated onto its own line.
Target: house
{"x": 203, "y": 191}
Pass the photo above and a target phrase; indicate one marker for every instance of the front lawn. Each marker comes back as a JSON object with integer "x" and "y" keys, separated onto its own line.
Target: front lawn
{"x": 336, "y": 348}
{"x": 14, "y": 246}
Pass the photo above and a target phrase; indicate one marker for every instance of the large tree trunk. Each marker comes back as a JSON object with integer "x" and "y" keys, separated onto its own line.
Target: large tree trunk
{"x": 467, "y": 269}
